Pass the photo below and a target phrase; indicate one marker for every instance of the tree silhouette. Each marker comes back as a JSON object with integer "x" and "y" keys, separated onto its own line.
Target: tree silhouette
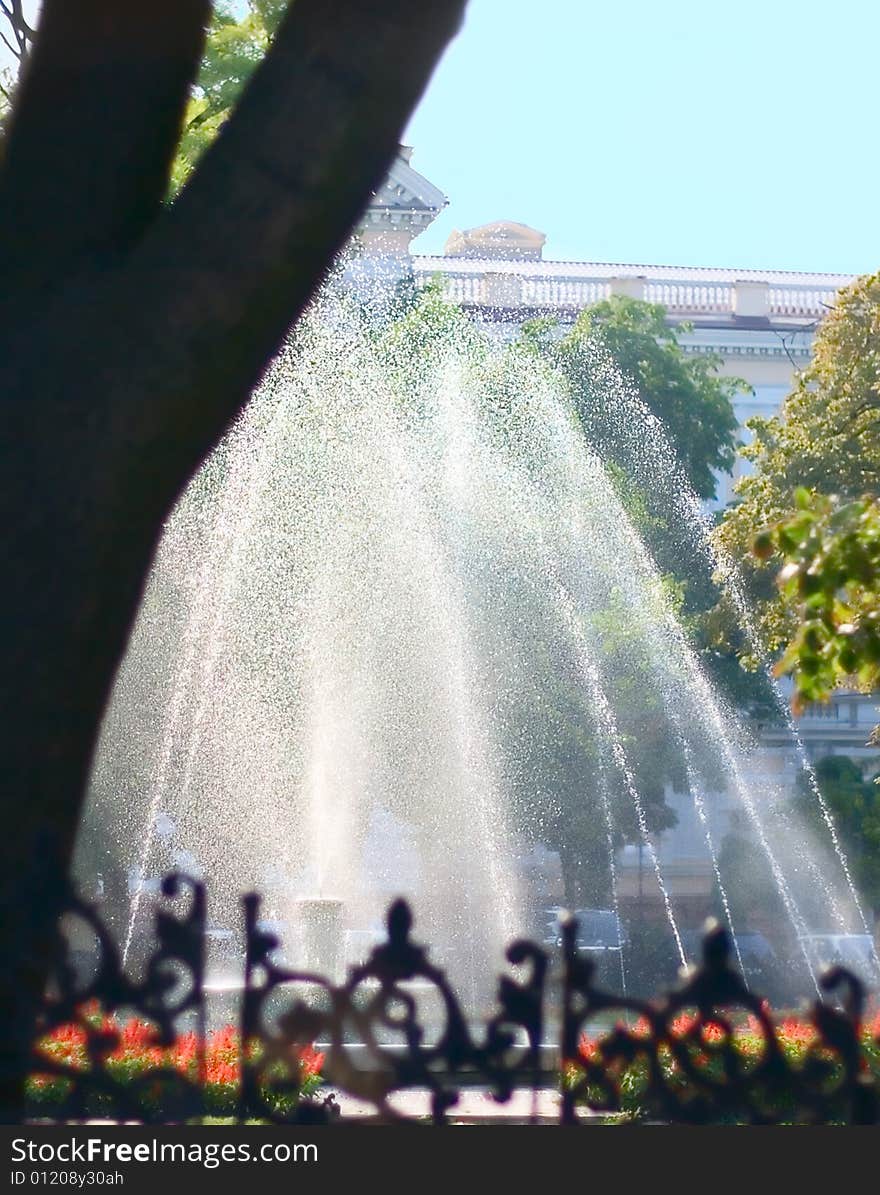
{"x": 131, "y": 333}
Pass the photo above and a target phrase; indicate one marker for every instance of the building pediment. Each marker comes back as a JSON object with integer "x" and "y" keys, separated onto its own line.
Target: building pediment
{"x": 401, "y": 208}
{"x": 404, "y": 189}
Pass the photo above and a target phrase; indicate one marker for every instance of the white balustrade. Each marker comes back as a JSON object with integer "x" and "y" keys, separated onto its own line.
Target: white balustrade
{"x": 521, "y": 285}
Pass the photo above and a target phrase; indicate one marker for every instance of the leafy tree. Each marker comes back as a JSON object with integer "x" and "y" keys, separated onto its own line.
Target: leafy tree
{"x": 686, "y": 393}
{"x": 567, "y": 759}
{"x": 693, "y": 404}
{"x": 132, "y": 335}
{"x": 690, "y": 400}
{"x": 563, "y": 759}
{"x": 810, "y": 514}
{"x": 825, "y": 442}
{"x": 855, "y": 805}
{"x": 236, "y": 43}
{"x": 830, "y": 584}
{"x": 17, "y": 34}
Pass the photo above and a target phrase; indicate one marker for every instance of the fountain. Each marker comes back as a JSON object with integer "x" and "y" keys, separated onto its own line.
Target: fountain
{"x": 321, "y": 921}
{"x": 401, "y": 624}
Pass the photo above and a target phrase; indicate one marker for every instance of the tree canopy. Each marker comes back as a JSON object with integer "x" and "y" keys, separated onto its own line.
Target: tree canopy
{"x": 692, "y": 403}
{"x": 237, "y": 39}
{"x": 133, "y": 333}
{"x": 855, "y": 805}
{"x": 558, "y": 756}
{"x": 806, "y": 524}
{"x": 686, "y": 392}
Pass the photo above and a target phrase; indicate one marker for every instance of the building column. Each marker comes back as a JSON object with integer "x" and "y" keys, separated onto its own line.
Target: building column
{"x": 631, "y": 287}
{"x": 751, "y": 300}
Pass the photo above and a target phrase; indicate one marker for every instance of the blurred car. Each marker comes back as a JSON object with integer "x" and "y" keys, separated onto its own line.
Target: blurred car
{"x": 755, "y": 948}
{"x": 856, "y": 952}
{"x": 763, "y": 969}
{"x": 598, "y": 931}
{"x": 548, "y": 928}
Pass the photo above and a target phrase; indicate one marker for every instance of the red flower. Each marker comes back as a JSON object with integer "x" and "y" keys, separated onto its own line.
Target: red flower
{"x": 137, "y": 1042}
{"x": 793, "y": 1031}
{"x": 588, "y": 1048}
{"x": 136, "y": 1035}
{"x": 184, "y": 1051}
{"x": 68, "y": 1035}
{"x": 310, "y": 1061}
{"x": 225, "y": 1073}
{"x": 683, "y": 1024}
{"x": 712, "y": 1031}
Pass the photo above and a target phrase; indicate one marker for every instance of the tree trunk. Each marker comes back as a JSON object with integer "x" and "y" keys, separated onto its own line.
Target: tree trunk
{"x": 131, "y": 337}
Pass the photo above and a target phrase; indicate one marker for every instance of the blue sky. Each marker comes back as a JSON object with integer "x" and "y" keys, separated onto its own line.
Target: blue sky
{"x": 684, "y": 132}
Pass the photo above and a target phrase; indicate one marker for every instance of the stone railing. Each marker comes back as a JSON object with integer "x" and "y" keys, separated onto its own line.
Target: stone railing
{"x": 565, "y": 288}
{"x": 690, "y": 297}
{"x": 809, "y": 303}
{"x": 563, "y": 292}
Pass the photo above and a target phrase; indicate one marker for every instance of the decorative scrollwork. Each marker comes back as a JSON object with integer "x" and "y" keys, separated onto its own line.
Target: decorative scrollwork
{"x": 682, "y": 1055}
{"x": 83, "y": 1005}
{"x": 694, "y": 1069}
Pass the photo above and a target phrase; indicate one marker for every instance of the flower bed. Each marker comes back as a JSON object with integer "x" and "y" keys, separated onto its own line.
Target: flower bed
{"x": 131, "y": 1057}
{"x": 704, "y": 1050}
{"x": 127, "y": 1072}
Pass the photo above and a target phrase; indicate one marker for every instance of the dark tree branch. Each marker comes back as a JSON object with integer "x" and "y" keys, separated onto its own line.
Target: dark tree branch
{"x": 130, "y": 337}
{"x": 290, "y": 173}
{"x": 93, "y": 132}
{"x": 205, "y": 298}
{"x": 22, "y": 32}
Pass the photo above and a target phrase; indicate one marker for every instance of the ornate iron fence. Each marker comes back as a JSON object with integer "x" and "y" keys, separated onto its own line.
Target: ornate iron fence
{"x": 706, "y": 1052}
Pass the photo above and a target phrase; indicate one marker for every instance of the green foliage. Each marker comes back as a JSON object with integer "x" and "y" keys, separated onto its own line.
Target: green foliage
{"x": 693, "y": 403}
{"x": 132, "y": 1056}
{"x": 686, "y": 393}
{"x": 424, "y": 327}
{"x": 563, "y": 760}
{"x": 855, "y": 805}
{"x": 825, "y": 442}
{"x": 830, "y": 581}
{"x": 7, "y": 86}
{"x": 236, "y": 43}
